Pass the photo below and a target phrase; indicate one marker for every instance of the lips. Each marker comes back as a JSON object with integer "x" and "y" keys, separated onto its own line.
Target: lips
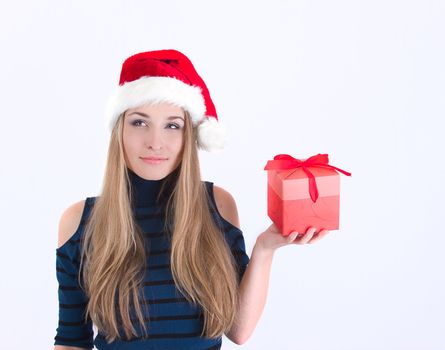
{"x": 153, "y": 158}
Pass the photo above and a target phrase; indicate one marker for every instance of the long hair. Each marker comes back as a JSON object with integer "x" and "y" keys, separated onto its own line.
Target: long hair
{"x": 114, "y": 257}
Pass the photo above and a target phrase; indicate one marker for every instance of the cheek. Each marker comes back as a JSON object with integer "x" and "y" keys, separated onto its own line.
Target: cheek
{"x": 177, "y": 142}
{"x": 129, "y": 144}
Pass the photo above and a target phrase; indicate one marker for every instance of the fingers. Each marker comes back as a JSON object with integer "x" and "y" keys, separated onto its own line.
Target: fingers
{"x": 309, "y": 237}
{"x": 292, "y": 236}
{"x": 318, "y": 236}
{"x": 305, "y": 238}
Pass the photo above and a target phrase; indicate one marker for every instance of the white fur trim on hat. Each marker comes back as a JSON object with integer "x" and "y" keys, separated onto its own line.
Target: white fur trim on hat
{"x": 212, "y": 135}
{"x": 152, "y": 90}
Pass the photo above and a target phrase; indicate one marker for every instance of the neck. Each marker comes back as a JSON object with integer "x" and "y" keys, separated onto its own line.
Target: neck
{"x": 144, "y": 191}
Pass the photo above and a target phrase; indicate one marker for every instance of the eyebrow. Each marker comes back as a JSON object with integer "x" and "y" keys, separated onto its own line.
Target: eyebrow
{"x": 148, "y": 117}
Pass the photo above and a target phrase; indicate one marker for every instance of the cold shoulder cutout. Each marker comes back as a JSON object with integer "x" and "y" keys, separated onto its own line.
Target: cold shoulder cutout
{"x": 69, "y": 222}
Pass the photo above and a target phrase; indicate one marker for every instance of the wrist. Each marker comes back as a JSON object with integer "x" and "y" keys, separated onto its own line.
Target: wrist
{"x": 260, "y": 250}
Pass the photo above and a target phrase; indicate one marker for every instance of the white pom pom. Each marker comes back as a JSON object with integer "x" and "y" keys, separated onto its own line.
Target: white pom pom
{"x": 212, "y": 135}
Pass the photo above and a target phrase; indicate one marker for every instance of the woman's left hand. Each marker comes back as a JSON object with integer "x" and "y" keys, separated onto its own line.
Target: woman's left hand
{"x": 272, "y": 239}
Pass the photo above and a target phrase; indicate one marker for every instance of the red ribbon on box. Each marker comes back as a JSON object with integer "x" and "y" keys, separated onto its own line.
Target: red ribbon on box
{"x": 285, "y": 161}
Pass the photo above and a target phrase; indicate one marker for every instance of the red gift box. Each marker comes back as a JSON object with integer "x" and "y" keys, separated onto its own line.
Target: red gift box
{"x": 303, "y": 193}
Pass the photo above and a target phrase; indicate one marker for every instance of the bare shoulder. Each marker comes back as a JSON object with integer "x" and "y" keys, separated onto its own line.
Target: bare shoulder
{"x": 226, "y": 205}
{"x": 69, "y": 221}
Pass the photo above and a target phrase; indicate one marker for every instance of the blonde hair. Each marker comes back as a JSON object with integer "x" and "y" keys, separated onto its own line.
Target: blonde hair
{"x": 113, "y": 254}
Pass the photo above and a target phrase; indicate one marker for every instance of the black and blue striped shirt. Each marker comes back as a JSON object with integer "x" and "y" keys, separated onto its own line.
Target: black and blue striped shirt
{"x": 173, "y": 322}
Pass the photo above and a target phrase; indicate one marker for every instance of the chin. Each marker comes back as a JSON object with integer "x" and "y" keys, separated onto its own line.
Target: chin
{"x": 154, "y": 171}
{"x": 155, "y": 175}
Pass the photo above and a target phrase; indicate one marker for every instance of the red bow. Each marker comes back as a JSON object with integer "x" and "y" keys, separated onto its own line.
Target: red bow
{"x": 285, "y": 161}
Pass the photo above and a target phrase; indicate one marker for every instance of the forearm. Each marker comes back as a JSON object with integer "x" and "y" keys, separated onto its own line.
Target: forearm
{"x": 253, "y": 293}
{"x": 64, "y": 347}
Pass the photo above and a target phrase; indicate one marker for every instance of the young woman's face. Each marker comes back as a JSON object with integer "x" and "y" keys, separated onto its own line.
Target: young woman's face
{"x": 153, "y": 137}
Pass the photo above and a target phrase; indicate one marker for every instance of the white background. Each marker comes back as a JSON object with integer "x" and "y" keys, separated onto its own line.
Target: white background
{"x": 362, "y": 81}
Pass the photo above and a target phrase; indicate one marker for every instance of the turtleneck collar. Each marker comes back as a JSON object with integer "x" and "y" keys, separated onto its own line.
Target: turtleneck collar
{"x": 145, "y": 192}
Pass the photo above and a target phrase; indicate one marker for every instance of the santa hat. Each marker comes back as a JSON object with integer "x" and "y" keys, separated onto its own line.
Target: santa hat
{"x": 167, "y": 76}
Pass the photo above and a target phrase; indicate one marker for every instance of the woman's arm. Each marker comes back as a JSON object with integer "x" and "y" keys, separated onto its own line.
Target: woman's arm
{"x": 252, "y": 295}
{"x": 255, "y": 282}
{"x": 72, "y": 332}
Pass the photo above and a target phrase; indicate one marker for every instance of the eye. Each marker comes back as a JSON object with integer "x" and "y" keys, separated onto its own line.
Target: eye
{"x": 137, "y": 122}
{"x": 176, "y": 126}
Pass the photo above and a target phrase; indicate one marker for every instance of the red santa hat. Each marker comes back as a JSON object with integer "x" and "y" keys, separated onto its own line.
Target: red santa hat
{"x": 167, "y": 76}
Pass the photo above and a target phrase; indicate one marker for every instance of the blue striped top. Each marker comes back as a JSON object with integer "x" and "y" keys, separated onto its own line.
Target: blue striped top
{"x": 173, "y": 322}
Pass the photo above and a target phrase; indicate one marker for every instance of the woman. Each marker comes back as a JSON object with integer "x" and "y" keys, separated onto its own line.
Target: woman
{"x": 158, "y": 260}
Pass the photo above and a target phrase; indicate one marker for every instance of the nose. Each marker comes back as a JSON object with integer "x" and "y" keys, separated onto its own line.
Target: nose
{"x": 154, "y": 139}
